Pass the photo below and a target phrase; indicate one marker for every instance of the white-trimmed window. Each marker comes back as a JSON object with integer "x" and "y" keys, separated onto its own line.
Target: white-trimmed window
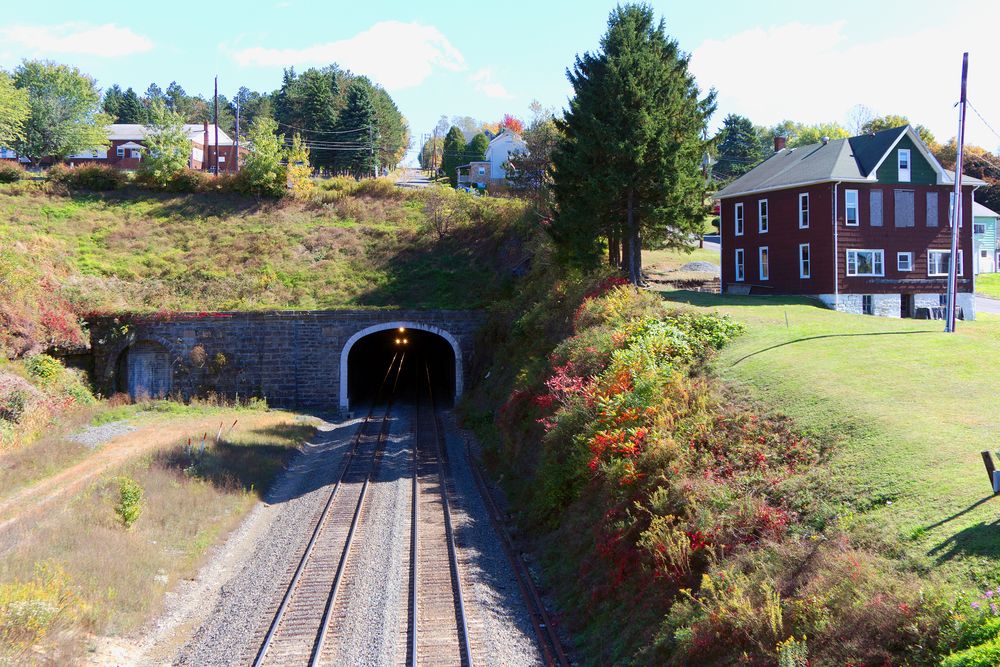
{"x": 851, "y": 217}
{"x": 903, "y": 162}
{"x": 803, "y": 210}
{"x": 937, "y": 262}
{"x": 979, "y": 228}
{"x": 805, "y": 261}
{"x": 740, "y": 264}
{"x": 904, "y": 262}
{"x": 951, "y": 209}
{"x": 120, "y": 151}
{"x": 135, "y": 153}
{"x": 866, "y": 262}
{"x": 738, "y": 217}
{"x": 762, "y": 262}
{"x": 762, "y": 215}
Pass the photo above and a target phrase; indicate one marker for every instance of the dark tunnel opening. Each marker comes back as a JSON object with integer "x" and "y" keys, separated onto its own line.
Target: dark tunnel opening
{"x": 421, "y": 352}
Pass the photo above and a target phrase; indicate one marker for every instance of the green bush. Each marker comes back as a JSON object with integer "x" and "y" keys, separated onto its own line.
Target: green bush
{"x": 93, "y": 177}
{"x": 43, "y": 368}
{"x": 190, "y": 180}
{"x": 129, "y": 505}
{"x": 10, "y": 172}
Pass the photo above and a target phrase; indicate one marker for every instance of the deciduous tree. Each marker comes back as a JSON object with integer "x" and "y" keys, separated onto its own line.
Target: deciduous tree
{"x": 879, "y": 123}
{"x": 628, "y": 166}
{"x": 167, "y": 149}
{"x": 65, "y": 115}
{"x": 262, "y": 173}
{"x": 299, "y": 171}
{"x": 14, "y": 111}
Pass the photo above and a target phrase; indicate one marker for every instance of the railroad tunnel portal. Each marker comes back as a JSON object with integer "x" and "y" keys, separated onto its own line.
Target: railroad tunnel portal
{"x": 425, "y": 352}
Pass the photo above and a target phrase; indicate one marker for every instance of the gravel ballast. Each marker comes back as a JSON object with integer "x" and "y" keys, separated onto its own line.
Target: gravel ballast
{"x": 373, "y": 617}
{"x": 95, "y": 436}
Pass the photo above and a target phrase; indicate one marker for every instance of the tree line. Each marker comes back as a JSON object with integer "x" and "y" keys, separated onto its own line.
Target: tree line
{"x": 349, "y": 124}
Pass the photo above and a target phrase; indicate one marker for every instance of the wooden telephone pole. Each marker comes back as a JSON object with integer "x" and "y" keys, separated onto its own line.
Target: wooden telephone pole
{"x": 956, "y": 219}
{"x": 216, "y": 126}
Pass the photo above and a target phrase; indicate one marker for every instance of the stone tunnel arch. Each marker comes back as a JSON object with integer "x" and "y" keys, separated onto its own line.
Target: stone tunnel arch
{"x": 384, "y": 326}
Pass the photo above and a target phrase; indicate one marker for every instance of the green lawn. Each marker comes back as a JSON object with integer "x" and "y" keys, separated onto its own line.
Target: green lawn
{"x": 910, "y": 406}
{"x": 988, "y": 284}
{"x": 671, "y": 260}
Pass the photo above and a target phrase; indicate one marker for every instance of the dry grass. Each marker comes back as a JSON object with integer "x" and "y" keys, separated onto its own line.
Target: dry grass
{"x": 116, "y": 577}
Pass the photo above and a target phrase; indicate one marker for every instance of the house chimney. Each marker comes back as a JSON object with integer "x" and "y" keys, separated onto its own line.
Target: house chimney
{"x": 779, "y": 143}
{"x": 204, "y": 155}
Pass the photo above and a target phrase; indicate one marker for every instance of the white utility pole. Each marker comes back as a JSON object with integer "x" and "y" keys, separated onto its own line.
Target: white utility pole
{"x": 956, "y": 218}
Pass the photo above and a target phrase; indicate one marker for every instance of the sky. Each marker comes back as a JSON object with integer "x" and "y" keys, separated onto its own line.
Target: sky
{"x": 770, "y": 60}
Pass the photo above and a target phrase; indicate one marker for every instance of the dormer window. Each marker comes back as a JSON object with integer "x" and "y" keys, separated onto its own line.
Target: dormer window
{"x": 903, "y": 160}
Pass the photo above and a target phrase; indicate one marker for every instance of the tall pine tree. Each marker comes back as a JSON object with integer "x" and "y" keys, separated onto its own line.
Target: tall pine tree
{"x": 112, "y": 104}
{"x": 318, "y": 115}
{"x": 453, "y": 154}
{"x": 132, "y": 109}
{"x": 739, "y": 147}
{"x": 627, "y": 168}
{"x": 359, "y": 127}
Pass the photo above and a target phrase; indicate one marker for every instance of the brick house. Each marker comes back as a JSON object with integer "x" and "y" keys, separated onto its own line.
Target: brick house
{"x": 862, "y": 224}
{"x": 127, "y": 141}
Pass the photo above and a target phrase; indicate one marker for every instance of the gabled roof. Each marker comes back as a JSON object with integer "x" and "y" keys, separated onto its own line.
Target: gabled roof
{"x": 980, "y": 211}
{"x": 852, "y": 160}
{"x": 195, "y": 132}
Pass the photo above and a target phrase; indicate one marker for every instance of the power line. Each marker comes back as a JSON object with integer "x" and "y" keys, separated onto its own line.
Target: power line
{"x": 302, "y": 129}
{"x": 985, "y": 122}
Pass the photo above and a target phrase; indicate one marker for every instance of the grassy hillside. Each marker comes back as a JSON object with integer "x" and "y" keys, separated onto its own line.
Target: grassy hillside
{"x": 988, "y": 284}
{"x": 911, "y": 407}
{"x": 349, "y": 244}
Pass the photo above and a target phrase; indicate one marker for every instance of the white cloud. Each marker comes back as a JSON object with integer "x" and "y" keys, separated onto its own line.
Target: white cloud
{"x": 395, "y": 54}
{"x": 482, "y": 81}
{"x": 107, "y": 40}
{"x": 814, "y": 73}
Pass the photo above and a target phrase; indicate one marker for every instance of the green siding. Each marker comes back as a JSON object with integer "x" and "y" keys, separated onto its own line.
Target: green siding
{"x": 921, "y": 170}
{"x": 989, "y": 239}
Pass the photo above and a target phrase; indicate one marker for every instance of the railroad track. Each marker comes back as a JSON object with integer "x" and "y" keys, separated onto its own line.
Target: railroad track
{"x": 300, "y": 626}
{"x": 438, "y": 631}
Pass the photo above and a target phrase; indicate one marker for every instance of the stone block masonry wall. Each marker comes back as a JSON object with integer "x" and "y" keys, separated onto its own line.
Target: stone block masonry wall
{"x": 290, "y": 358}
{"x": 888, "y": 305}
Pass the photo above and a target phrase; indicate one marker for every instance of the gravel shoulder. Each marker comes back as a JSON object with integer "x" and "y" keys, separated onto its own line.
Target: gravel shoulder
{"x": 221, "y": 614}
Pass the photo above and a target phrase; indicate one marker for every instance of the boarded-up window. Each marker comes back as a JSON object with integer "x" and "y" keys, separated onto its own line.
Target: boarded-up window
{"x": 932, "y": 209}
{"x": 903, "y": 202}
{"x": 875, "y": 207}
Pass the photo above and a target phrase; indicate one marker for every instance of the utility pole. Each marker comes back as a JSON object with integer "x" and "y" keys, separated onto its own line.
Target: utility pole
{"x": 371, "y": 143}
{"x": 216, "y": 125}
{"x": 956, "y": 218}
{"x": 237, "y": 131}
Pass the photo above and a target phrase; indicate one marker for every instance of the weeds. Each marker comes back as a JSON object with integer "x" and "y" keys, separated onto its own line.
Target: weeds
{"x": 129, "y": 505}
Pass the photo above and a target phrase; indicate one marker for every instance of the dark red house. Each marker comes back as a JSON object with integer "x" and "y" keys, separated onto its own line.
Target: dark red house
{"x": 862, "y": 224}
{"x": 127, "y": 141}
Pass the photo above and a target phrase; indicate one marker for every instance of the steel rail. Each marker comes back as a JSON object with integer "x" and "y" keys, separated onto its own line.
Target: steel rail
{"x": 342, "y": 565}
{"x": 321, "y": 521}
{"x": 443, "y": 474}
{"x": 548, "y": 638}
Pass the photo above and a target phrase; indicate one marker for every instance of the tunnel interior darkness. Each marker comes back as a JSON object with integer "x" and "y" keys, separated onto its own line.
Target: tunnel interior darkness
{"x": 369, "y": 359}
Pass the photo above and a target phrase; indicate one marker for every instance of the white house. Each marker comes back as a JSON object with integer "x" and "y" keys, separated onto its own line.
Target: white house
{"x": 491, "y": 169}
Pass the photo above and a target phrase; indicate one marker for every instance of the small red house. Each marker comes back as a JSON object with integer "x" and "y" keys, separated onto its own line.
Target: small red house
{"x": 127, "y": 141}
{"x": 862, "y": 224}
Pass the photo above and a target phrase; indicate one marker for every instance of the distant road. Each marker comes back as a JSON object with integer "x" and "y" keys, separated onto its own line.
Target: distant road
{"x": 987, "y": 305}
{"x": 413, "y": 178}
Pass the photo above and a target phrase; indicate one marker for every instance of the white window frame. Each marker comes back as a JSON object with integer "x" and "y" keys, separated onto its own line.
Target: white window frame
{"x": 805, "y": 261}
{"x": 936, "y": 251}
{"x": 120, "y": 151}
{"x": 738, "y": 218}
{"x": 764, "y": 262}
{"x": 848, "y": 195}
{"x": 908, "y": 257}
{"x": 762, "y": 216}
{"x": 135, "y": 154}
{"x": 853, "y": 253}
{"x": 740, "y": 259}
{"x": 804, "y": 219}
{"x": 904, "y": 172}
